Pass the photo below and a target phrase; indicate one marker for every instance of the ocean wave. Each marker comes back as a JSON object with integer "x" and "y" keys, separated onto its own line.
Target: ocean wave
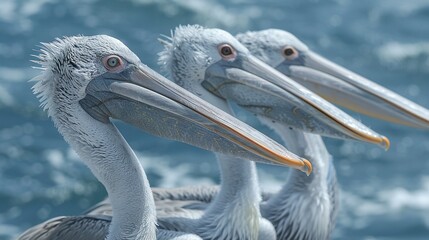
{"x": 210, "y": 13}
{"x": 8, "y": 50}
{"x": 401, "y": 8}
{"x": 18, "y": 13}
{"x": 11, "y": 10}
{"x": 394, "y": 52}
{"x": 171, "y": 176}
{"x": 6, "y": 99}
{"x": 14, "y": 87}
{"x": 8, "y": 231}
{"x": 10, "y": 74}
{"x": 398, "y": 198}
{"x": 392, "y": 205}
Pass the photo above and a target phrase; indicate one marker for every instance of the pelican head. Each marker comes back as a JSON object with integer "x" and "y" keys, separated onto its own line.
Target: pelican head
{"x": 99, "y": 78}
{"x": 289, "y": 55}
{"x": 214, "y": 65}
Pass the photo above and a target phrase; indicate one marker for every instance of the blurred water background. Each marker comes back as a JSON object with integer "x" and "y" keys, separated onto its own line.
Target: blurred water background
{"x": 385, "y": 195}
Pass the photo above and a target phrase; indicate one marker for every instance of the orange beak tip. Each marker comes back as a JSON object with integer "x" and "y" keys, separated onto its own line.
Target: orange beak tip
{"x": 385, "y": 143}
{"x": 308, "y": 168}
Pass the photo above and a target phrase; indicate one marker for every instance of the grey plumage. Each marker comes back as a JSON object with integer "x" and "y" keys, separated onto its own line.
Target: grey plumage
{"x": 203, "y": 193}
{"x": 306, "y": 207}
{"x": 70, "y": 228}
{"x": 87, "y": 227}
{"x": 198, "y": 193}
{"x": 334, "y": 195}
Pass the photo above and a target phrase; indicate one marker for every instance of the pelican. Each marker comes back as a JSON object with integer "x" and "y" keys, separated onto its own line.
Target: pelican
{"x": 87, "y": 80}
{"x": 206, "y": 57}
{"x": 287, "y": 54}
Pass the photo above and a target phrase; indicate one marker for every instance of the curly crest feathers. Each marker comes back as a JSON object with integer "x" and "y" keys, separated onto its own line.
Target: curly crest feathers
{"x": 181, "y": 53}
{"x": 49, "y": 60}
{"x": 67, "y": 64}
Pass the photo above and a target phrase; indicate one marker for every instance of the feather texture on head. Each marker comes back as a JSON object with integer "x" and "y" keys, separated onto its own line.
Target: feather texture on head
{"x": 69, "y": 63}
{"x": 190, "y": 50}
{"x": 268, "y": 45}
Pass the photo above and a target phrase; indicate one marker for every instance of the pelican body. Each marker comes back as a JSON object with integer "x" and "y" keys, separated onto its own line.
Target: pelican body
{"x": 86, "y": 81}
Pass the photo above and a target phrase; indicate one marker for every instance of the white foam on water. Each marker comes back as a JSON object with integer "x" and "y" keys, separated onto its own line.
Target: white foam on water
{"x": 393, "y": 52}
{"x": 9, "y": 231}
{"x": 19, "y": 13}
{"x": 6, "y": 98}
{"x": 398, "y": 198}
{"x": 210, "y": 13}
{"x": 11, "y": 50}
{"x": 9, "y": 80}
{"x": 171, "y": 176}
{"x": 29, "y": 8}
{"x": 269, "y": 182}
{"x": 9, "y": 74}
{"x": 358, "y": 211}
{"x": 7, "y": 9}
{"x": 399, "y": 7}
{"x": 55, "y": 157}
{"x": 12, "y": 10}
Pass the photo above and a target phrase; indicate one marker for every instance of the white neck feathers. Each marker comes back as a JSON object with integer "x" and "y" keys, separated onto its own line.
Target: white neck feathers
{"x": 115, "y": 165}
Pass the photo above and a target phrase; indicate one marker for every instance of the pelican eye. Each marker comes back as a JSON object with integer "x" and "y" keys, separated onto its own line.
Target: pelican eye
{"x": 226, "y": 51}
{"x": 290, "y": 53}
{"x": 113, "y": 63}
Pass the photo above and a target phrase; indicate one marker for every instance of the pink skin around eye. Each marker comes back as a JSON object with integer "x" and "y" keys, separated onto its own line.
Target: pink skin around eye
{"x": 230, "y": 56}
{"x": 117, "y": 68}
{"x": 292, "y": 56}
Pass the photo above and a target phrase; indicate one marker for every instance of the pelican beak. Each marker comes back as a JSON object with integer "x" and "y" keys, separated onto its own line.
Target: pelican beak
{"x": 141, "y": 97}
{"x": 263, "y": 90}
{"x": 348, "y": 89}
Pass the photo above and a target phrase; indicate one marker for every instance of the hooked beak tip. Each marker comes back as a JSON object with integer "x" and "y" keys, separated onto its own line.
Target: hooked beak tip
{"x": 307, "y": 168}
{"x": 385, "y": 143}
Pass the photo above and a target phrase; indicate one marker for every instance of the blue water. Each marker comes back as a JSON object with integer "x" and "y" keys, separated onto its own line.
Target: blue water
{"x": 385, "y": 195}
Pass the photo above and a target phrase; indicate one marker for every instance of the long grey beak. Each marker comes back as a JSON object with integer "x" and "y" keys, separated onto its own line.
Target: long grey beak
{"x": 145, "y": 99}
{"x": 263, "y": 90}
{"x": 348, "y": 89}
